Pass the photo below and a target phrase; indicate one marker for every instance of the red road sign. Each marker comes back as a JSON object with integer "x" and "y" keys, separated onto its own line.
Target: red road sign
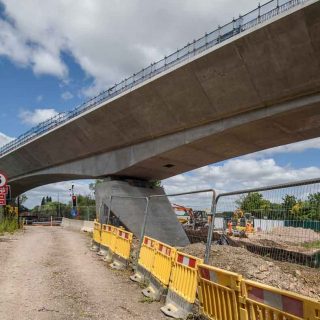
{"x": 3, "y": 196}
{"x": 4, "y": 189}
{"x": 3, "y": 202}
{"x": 3, "y": 179}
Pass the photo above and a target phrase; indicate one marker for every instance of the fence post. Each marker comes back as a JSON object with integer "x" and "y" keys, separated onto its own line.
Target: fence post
{"x": 109, "y": 209}
{"x": 144, "y": 224}
{"x": 211, "y": 227}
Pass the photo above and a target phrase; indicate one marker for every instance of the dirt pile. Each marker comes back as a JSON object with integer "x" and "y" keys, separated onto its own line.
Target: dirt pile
{"x": 283, "y": 275}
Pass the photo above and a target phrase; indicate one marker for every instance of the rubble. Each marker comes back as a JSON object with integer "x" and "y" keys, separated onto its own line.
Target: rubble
{"x": 282, "y": 275}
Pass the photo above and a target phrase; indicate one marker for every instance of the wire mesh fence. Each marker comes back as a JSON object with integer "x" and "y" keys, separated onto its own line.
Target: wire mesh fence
{"x": 280, "y": 222}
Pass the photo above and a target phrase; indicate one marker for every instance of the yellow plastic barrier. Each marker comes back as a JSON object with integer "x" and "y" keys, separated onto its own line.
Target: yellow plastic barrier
{"x": 147, "y": 253}
{"x": 262, "y": 302}
{"x": 163, "y": 262}
{"x": 161, "y": 271}
{"x": 146, "y": 260}
{"x": 183, "y": 286}
{"x": 219, "y": 292}
{"x": 123, "y": 244}
{"x": 106, "y": 235}
{"x": 96, "y": 232}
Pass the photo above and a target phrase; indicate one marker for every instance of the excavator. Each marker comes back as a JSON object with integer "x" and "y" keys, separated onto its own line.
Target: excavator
{"x": 189, "y": 217}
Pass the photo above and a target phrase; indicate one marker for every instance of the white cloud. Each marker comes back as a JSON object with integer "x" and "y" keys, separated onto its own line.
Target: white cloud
{"x": 296, "y": 147}
{"x": 36, "y": 116}
{"x": 4, "y": 139}
{"x": 109, "y": 39}
{"x": 233, "y": 175}
{"x": 57, "y": 190}
{"x": 67, "y": 95}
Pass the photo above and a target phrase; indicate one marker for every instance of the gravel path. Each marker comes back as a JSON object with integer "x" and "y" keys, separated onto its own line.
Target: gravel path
{"x": 50, "y": 273}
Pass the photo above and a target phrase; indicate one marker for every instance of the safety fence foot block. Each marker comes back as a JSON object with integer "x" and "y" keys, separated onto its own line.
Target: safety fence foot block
{"x": 140, "y": 275}
{"x": 103, "y": 251}
{"x": 155, "y": 290}
{"x": 109, "y": 257}
{"x": 118, "y": 263}
{"x": 176, "y": 307}
{"x": 95, "y": 246}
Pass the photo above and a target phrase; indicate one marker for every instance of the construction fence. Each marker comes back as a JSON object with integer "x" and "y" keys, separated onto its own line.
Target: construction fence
{"x": 179, "y": 279}
{"x": 281, "y": 222}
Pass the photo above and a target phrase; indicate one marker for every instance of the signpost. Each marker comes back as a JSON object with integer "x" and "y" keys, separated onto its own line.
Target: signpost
{"x": 4, "y": 189}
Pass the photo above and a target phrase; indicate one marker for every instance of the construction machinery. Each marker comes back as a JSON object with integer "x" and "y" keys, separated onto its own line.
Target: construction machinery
{"x": 189, "y": 217}
{"x": 240, "y": 224}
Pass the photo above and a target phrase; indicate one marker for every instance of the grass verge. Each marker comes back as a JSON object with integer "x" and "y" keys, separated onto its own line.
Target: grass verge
{"x": 8, "y": 225}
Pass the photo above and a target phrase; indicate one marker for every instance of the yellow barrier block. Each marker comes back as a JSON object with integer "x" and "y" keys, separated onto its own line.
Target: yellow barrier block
{"x": 161, "y": 271}
{"x": 163, "y": 262}
{"x": 262, "y": 302}
{"x": 113, "y": 238}
{"x": 106, "y": 235}
{"x": 182, "y": 287}
{"x": 147, "y": 253}
{"x": 96, "y": 232}
{"x": 123, "y": 244}
{"x": 184, "y": 276}
{"x": 219, "y": 291}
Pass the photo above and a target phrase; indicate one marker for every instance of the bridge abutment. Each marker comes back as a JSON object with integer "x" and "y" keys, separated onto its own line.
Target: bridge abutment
{"x": 128, "y": 207}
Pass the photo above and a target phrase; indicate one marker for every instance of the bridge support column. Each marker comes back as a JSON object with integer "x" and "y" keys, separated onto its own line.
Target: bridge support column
{"x": 162, "y": 223}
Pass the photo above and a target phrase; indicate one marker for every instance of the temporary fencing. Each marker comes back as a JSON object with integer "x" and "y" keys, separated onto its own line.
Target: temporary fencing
{"x": 219, "y": 291}
{"x": 96, "y": 240}
{"x": 263, "y": 302}
{"x": 145, "y": 260}
{"x": 183, "y": 286}
{"x": 107, "y": 239}
{"x": 284, "y": 221}
{"x": 160, "y": 271}
{"x": 122, "y": 249}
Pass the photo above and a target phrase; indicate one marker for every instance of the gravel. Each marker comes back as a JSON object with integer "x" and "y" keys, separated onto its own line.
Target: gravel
{"x": 50, "y": 273}
{"x": 283, "y": 275}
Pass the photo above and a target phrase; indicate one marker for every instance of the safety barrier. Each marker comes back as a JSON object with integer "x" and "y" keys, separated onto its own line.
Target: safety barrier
{"x": 111, "y": 236}
{"x": 183, "y": 286}
{"x": 219, "y": 292}
{"x": 96, "y": 240}
{"x": 122, "y": 249}
{"x": 106, "y": 236}
{"x": 161, "y": 271}
{"x": 145, "y": 260}
{"x": 262, "y": 302}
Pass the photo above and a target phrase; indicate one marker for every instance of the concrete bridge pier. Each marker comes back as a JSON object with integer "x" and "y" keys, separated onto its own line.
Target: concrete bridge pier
{"x": 162, "y": 223}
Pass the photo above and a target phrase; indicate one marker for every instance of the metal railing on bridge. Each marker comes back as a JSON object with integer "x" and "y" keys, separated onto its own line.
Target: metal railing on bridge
{"x": 259, "y": 15}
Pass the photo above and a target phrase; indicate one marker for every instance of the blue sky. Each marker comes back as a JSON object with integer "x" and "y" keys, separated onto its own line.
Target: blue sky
{"x": 56, "y": 54}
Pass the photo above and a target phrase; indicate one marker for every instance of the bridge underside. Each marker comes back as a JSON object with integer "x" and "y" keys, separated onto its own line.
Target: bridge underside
{"x": 189, "y": 149}
{"x": 256, "y": 90}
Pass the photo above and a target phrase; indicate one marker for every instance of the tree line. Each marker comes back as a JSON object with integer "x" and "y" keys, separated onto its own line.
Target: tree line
{"x": 290, "y": 208}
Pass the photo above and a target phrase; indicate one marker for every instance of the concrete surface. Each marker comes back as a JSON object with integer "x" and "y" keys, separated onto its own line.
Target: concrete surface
{"x": 162, "y": 223}
{"x": 77, "y": 225}
{"x": 257, "y": 90}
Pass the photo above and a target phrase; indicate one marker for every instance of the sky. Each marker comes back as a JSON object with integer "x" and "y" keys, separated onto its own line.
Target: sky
{"x": 56, "y": 54}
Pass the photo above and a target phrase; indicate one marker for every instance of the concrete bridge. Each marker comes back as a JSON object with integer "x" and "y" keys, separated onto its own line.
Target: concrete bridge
{"x": 257, "y": 87}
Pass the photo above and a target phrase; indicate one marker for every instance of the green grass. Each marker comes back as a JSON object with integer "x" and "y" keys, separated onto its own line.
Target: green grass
{"x": 8, "y": 225}
{"x": 312, "y": 245}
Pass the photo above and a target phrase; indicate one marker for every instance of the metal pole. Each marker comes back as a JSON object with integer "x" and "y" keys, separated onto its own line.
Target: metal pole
{"x": 109, "y": 209}
{"x": 144, "y": 224}
{"x": 211, "y": 227}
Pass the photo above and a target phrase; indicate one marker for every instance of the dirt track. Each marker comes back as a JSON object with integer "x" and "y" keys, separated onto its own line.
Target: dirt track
{"x": 50, "y": 273}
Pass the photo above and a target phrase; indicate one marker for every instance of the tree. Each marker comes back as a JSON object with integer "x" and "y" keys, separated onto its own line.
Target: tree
{"x": 43, "y": 201}
{"x": 288, "y": 203}
{"x": 251, "y": 202}
{"x": 92, "y": 185}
